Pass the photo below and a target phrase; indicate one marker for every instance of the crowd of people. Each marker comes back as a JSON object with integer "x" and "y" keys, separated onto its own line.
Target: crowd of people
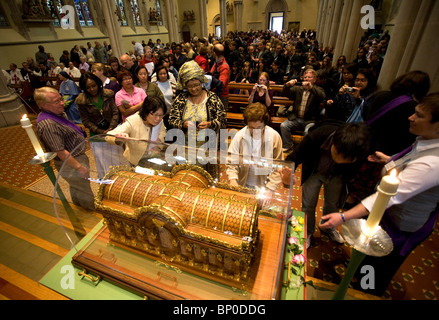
{"x": 350, "y": 127}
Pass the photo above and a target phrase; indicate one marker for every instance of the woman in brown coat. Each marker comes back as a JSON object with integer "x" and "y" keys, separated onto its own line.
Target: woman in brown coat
{"x": 99, "y": 114}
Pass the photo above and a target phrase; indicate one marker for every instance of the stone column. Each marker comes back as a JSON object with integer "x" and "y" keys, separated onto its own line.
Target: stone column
{"x": 172, "y": 18}
{"x": 323, "y": 21}
{"x": 354, "y": 29}
{"x": 342, "y": 29}
{"x": 238, "y": 15}
{"x": 328, "y": 22}
{"x": 319, "y": 19}
{"x": 203, "y": 19}
{"x": 428, "y": 45}
{"x": 335, "y": 22}
{"x": 223, "y": 15}
{"x": 11, "y": 108}
{"x": 413, "y": 43}
{"x": 113, "y": 28}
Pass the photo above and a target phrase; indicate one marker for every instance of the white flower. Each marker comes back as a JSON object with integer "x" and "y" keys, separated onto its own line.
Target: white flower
{"x": 293, "y": 221}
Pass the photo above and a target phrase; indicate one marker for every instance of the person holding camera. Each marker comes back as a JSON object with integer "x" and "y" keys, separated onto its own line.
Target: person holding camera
{"x": 99, "y": 114}
{"x": 352, "y": 103}
{"x": 306, "y": 109}
{"x": 262, "y": 93}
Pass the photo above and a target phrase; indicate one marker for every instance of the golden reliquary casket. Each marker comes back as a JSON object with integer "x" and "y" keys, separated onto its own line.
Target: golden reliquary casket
{"x": 184, "y": 219}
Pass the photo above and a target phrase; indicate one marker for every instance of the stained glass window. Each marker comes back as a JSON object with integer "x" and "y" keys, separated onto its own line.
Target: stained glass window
{"x": 81, "y": 8}
{"x": 121, "y": 12}
{"x": 159, "y": 12}
{"x": 83, "y": 12}
{"x": 55, "y": 7}
{"x": 136, "y": 13}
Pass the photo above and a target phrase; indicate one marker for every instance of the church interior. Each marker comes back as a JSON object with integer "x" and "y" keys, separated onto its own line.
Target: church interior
{"x": 31, "y": 240}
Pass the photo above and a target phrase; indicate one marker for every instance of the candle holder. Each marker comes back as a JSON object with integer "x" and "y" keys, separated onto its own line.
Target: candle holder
{"x": 43, "y": 159}
{"x": 379, "y": 244}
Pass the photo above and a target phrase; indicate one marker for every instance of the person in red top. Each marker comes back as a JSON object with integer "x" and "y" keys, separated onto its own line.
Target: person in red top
{"x": 147, "y": 57}
{"x": 202, "y": 60}
{"x": 222, "y": 68}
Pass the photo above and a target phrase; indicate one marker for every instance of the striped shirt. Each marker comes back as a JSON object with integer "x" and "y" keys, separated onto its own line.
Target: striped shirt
{"x": 302, "y": 107}
{"x": 57, "y": 137}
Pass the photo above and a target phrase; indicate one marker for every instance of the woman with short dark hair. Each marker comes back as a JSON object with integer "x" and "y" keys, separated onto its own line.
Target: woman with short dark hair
{"x": 129, "y": 99}
{"x": 146, "y": 124}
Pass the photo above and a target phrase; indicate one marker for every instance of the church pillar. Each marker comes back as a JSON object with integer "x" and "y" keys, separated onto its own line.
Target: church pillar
{"x": 328, "y": 22}
{"x": 342, "y": 29}
{"x": 11, "y": 108}
{"x": 172, "y": 19}
{"x": 354, "y": 31}
{"x": 223, "y": 16}
{"x": 113, "y": 28}
{"x": 319, "y": 19}
{"x": 203, "y": 19}
{"x": 323, "y": 21}
{"x": 413, "y": 43}
{"x": 238, "y": 15}
{"x": 335, "y": 23}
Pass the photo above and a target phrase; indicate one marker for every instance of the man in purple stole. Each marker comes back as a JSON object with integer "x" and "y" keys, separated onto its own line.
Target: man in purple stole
{"x": 60, "y": 135}
{"x": 411, "y": 214}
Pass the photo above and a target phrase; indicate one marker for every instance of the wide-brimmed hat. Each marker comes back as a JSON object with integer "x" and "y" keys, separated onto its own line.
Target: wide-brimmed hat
{"x": 189, "y": 71}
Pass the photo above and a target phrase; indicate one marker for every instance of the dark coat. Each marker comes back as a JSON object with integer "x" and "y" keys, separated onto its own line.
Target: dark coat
{"x": 91, "y": 116}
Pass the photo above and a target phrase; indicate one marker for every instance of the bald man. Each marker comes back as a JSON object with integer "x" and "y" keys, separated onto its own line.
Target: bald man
{"x": 222, "y": 68}
{"x": 127, "y": 62}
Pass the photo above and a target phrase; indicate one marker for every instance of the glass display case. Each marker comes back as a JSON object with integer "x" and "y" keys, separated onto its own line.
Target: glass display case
{"x": 169, "y": 221}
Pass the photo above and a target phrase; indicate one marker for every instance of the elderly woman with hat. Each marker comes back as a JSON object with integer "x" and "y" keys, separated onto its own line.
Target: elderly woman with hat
{"x": 196, "y": 108}
{"x": 69, "y": 92}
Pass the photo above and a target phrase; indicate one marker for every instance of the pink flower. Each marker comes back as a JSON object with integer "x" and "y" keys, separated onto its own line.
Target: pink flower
{"x": 292, "y": 240}
{"x": 298, "y": 259}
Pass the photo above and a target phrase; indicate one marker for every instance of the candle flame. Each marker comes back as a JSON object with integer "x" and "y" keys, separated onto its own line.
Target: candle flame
{"x": 24, "y": 117}
{"x": 393, "y": 173}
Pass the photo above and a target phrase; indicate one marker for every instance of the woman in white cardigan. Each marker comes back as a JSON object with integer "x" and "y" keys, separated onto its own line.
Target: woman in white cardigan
{"x": 146, "y": 124}
{"x": 253, "y": 141}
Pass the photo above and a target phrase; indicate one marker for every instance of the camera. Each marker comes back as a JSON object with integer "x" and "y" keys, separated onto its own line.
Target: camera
{"x": 259, "y": 86}
{"x": 298, "y": 83}
{"x": 349, "y": 89}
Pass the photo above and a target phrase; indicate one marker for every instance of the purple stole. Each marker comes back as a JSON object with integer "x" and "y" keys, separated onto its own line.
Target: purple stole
{"x": 401, "y": 154}
{"x": 60, "y": 119}
{"x": 401, "y": 240}
{"x": 387, "y": 107}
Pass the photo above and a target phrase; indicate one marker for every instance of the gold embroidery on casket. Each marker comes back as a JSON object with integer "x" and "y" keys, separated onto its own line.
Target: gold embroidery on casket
{"x": 192, "y": 210}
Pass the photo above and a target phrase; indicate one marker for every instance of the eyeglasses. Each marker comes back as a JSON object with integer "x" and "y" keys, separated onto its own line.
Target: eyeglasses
{"x": 361, "y": 79}
{"x": 193, "y": 86}
{"x": 157, "y": 115}
{"x": 57, "y": 101}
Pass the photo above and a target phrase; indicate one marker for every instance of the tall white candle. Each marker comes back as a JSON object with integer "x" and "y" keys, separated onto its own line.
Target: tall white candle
{"x": 27, "y": 125}
{"x": 387, "y": 188}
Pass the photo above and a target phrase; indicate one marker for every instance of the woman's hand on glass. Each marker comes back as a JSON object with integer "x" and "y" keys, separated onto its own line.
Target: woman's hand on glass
{"x": 234, "y": 182}
{"x": 285, "y": 175}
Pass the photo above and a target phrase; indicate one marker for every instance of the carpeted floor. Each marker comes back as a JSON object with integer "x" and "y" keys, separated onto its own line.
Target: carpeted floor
{"x": 417, "y": 279}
